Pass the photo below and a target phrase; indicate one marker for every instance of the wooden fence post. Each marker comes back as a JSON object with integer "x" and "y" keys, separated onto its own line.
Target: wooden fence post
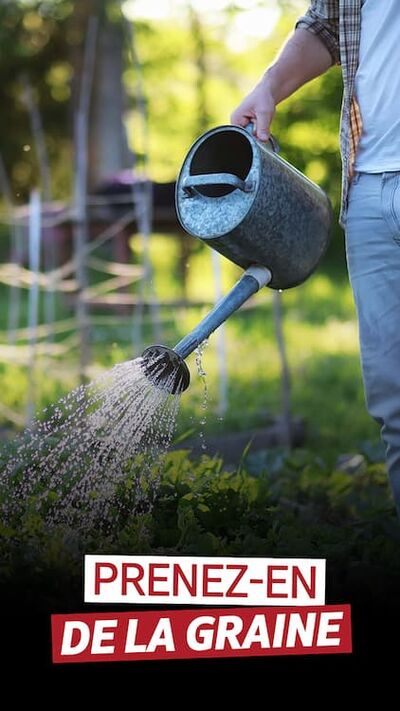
{"x": 285, "y": 370}
{"x": 33, "y": 305}
{"x": 81, "y": 127}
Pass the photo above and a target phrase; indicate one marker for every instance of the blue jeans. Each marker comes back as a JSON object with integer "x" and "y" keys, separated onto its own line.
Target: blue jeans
{"x": 373, "y": 258}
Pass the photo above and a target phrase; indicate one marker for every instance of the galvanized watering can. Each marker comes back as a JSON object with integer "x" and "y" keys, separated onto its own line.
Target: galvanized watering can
{"x": 248, "y": 203}
{"x": 245, "y": 201}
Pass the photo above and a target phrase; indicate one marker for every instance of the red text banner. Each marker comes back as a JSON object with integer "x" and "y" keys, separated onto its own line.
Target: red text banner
{"x": 186, "y": 634}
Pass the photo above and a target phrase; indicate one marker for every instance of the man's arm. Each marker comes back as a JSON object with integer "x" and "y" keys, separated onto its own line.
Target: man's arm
{"x": 309, "y": 52}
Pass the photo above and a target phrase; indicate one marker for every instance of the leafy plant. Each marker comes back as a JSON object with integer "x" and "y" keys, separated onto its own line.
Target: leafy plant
{"x": 295, "y": 506}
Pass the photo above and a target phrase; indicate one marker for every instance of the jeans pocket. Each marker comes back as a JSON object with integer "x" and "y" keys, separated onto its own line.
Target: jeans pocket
{"x": 391, "y": 204}
{"x": 395, "y": 206}
{"x": 352, "y": 187}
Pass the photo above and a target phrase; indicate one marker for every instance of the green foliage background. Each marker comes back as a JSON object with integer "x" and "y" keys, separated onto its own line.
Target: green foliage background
{"x": 310, "y": 502}
{"x": 37, "y": 38}
{"x": 40, "y": 38}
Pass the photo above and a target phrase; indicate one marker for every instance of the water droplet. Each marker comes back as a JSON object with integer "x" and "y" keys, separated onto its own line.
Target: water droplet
{"x": 202, "y": 374}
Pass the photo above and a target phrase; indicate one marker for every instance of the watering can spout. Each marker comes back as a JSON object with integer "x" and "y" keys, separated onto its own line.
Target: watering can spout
{"x": 166, "y": 368}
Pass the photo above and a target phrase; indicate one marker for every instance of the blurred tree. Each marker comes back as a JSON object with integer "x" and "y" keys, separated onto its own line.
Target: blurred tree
{"x": 193, "y": 73}
{"x": 33, "y": 43}
{"x": 200, "y": 59}
{"x": 42, "y": 40}
{"x": 108, "y": 148}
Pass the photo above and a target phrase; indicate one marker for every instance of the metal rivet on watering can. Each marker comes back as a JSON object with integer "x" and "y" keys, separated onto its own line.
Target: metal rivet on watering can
{"x": 252, "y": 206}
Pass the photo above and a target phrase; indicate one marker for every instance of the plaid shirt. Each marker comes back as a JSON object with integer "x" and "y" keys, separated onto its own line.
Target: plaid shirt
{"x": 338, "y": 24}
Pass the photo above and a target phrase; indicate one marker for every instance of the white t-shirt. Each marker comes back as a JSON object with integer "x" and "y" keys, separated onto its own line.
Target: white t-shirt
{"x": 377, "y": 87}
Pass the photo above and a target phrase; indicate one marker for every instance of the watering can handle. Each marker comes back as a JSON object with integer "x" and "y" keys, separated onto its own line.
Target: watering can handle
{"x": 271, "y": 140}
{"x": 215, "y": 179}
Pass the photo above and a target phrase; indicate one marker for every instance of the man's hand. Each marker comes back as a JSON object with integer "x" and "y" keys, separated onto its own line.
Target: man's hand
{"x": 259, "y": 108}
{"x": 303, "y": 58}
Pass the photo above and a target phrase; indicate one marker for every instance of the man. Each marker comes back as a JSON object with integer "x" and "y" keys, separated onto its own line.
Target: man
{"x": 364, "y": 37}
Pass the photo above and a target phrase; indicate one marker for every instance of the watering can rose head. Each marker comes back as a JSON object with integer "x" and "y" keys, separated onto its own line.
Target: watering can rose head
{"x": 165, "y": 369}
